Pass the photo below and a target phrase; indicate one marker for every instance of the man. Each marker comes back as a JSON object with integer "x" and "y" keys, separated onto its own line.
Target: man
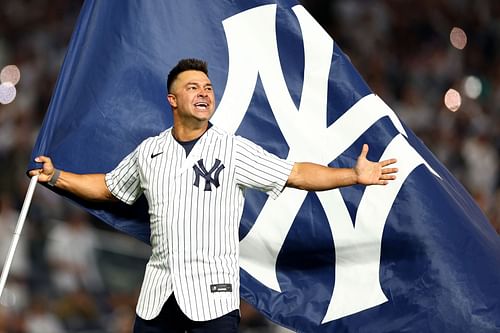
{"x": 193, "y": 176}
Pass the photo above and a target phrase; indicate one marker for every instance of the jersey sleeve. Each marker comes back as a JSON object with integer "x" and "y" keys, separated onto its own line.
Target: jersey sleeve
{"x": 124, "y": 181}
{"x": 257, "y": 168}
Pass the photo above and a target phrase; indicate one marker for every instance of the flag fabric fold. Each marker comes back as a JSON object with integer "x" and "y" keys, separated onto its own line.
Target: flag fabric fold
{"x": 415, "y": 256}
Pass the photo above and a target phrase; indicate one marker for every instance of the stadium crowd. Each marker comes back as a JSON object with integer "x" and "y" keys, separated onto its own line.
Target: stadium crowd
{"x": 63, "y": 278}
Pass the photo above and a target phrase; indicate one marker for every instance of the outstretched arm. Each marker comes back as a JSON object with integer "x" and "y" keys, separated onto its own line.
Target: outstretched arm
{"x": 87, "y": 186}
{"x": 315, "y": 177}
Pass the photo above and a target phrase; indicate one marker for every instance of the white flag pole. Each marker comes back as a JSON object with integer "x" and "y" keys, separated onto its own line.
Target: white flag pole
{"x": 17, "y": 232}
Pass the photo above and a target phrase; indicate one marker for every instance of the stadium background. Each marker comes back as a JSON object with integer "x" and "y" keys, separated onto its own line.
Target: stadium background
{"x": 405, "y": 50}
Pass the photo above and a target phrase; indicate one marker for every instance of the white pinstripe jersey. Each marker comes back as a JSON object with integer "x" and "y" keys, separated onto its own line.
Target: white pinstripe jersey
{"x": 195, "y": 206}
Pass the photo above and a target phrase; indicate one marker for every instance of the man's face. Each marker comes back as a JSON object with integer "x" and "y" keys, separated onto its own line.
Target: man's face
{"x": 192, "y": 96}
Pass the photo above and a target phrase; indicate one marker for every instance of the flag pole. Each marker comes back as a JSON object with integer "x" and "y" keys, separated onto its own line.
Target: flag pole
{"x": 17, "y": 232}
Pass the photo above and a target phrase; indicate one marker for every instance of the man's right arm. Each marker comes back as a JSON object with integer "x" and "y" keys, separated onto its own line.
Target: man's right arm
{"x": 90, "y": 187}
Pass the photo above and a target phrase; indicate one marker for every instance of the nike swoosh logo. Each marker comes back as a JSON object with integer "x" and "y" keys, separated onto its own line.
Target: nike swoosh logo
{"x": 154, "y": 155}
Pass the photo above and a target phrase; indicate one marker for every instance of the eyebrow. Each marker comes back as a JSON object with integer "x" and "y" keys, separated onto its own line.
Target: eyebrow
{"x": 198, "y": 84}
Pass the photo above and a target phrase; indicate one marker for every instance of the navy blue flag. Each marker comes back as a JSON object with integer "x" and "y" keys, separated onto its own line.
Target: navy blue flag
{"x": 414, "y": 256}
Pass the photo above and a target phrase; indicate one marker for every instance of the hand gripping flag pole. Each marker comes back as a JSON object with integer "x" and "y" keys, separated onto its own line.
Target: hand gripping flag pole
{"x": 17, "y": 232}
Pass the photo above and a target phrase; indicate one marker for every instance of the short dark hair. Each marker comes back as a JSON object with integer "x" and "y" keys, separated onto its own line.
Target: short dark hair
{"x": 183, "y": 65}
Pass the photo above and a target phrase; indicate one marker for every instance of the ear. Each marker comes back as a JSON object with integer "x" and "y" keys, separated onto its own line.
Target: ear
{"x": 172, "y": 100}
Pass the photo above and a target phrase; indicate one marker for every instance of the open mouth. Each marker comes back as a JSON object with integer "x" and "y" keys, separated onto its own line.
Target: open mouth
{"x": 201, "y": 105}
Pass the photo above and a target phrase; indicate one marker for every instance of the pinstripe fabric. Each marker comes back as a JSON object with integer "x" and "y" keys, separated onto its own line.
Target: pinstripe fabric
{"x": 194, "y": 231}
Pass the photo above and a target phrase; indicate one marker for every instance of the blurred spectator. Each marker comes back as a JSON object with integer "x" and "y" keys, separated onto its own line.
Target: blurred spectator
{"x": 122, "y": 315}
{"x": 11, "y": 322}
{"x": 122, "y": 319}
{"x": 71, "y": 254}
{"x": 481, "y": 159}
{"x": 15, "y": 295}
{"x": 39, "y": 319}
{"x": 79, "y": 312}
{"x": 412, "y": 111}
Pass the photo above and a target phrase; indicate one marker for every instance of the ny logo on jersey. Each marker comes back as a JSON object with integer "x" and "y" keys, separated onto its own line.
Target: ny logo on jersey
{"x": 201, "y": 171}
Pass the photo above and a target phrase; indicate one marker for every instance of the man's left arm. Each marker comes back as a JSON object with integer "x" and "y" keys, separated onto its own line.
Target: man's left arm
{"x": 315, "y": 177}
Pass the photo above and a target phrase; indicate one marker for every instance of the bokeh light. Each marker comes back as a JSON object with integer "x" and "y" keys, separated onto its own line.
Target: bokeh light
{"x": 452, "y": 100}
{"x": 10, "y": 74}
{"x": 458, "y": 38}
{"x": 7, "y": 92}
{"x": 473, "y": 87}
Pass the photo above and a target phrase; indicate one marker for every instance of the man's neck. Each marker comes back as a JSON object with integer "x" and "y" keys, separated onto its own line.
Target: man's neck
{"x": 184, "y": 133}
